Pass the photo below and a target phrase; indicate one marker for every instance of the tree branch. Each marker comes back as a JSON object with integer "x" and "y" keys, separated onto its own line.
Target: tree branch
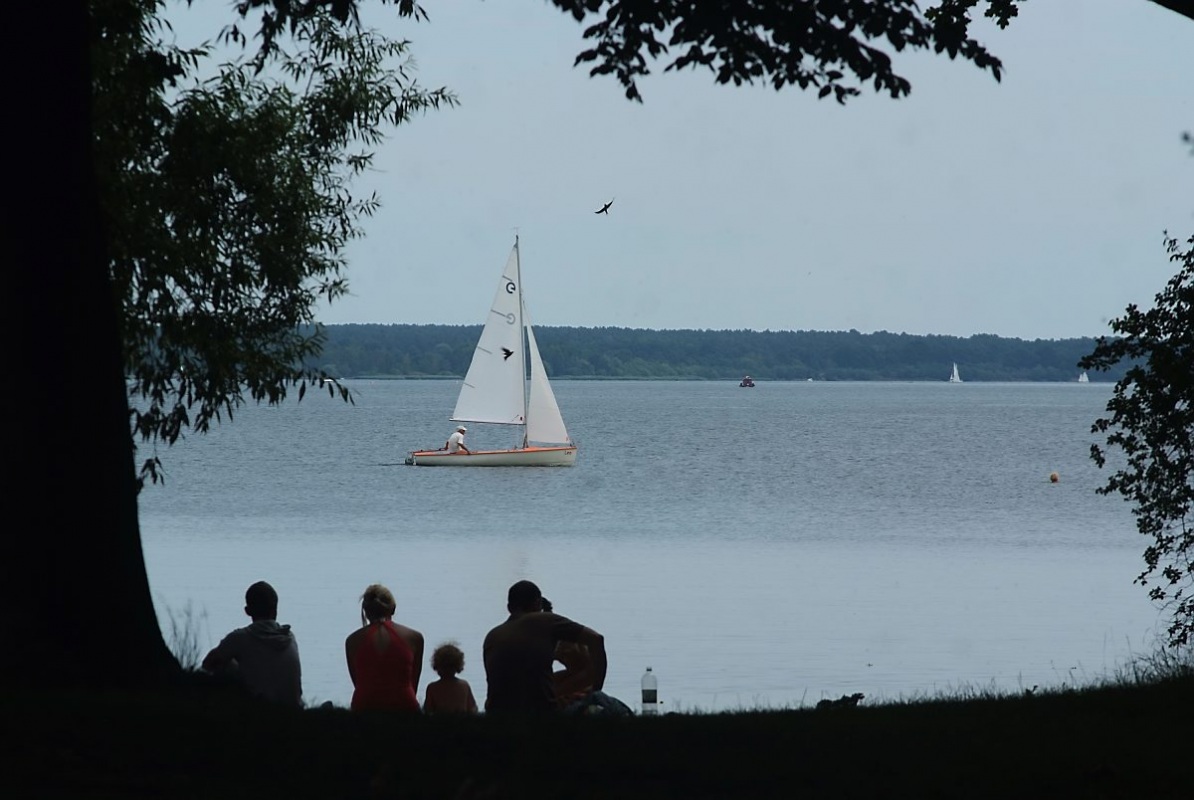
{"x": 1183, "y": 7}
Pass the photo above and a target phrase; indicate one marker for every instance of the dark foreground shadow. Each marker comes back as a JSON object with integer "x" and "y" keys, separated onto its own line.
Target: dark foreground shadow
{"x": 200, "y": 741}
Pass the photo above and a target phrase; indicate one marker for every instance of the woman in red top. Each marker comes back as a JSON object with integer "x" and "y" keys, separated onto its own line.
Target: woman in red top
{"x": 384, "y": 658}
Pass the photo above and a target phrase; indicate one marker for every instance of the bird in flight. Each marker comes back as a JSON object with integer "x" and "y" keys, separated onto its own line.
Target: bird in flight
{"x": 605, "y": 208}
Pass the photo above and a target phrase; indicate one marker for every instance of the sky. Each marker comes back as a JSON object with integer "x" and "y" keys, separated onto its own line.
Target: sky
{"x": 1033, "y": 208}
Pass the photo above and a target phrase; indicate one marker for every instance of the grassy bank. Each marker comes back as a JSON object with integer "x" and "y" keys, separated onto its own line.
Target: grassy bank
{"x": 1129, "y": 740}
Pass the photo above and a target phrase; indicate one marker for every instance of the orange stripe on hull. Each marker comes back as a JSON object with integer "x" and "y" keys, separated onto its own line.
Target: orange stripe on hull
{"x": 526, "y": 456}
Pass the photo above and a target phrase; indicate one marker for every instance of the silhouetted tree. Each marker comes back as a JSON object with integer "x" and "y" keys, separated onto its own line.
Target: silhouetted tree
{"x": 126, "y": 230}
{"x": 1152, "y": 425}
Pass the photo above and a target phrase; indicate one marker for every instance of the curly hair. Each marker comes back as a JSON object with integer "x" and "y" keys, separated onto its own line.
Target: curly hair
{"x": 447, "y": 660}
{"x": 377, "y": 603}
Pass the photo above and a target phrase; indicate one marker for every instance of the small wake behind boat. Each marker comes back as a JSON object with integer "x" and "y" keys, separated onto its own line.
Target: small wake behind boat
{"x": 497, "y": 389}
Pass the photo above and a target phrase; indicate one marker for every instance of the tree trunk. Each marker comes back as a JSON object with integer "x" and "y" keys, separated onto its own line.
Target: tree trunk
{"x": 76, "y": 609}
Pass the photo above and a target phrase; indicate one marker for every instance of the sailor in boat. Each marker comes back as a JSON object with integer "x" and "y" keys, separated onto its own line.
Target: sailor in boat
{"x": 747, "y": 382}
{"x": 455, "y": 443}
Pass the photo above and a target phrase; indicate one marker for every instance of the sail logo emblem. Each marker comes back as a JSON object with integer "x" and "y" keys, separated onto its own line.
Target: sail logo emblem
{"x": 510, "y": 287}
{"x": 506, "y": 353}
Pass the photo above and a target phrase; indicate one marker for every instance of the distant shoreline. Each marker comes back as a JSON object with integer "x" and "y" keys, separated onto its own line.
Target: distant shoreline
{"x": 678, "y": 379}
{"x": 444, "y": 352}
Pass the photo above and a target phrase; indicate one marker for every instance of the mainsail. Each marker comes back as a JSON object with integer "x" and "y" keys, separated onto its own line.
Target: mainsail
{"x": 494, "y": 388}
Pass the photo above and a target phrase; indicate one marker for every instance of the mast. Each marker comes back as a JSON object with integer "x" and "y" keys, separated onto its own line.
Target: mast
{"x": 522, "y": 336}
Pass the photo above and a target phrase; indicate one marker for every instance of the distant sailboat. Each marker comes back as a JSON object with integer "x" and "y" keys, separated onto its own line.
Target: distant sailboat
{"x": 954, "y": 377}
{"x": 1083, "y": 379}
{"x": 497, "y": 389}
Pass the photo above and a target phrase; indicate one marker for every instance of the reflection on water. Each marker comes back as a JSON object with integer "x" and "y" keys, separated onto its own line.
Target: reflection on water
{"x": 770, "y": 547}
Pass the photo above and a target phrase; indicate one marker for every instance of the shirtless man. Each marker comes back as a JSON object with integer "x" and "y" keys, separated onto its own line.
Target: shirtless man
{"x": 519, "y": 654}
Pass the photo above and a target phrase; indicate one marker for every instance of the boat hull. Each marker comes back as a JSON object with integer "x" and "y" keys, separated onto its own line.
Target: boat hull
{"x": 522, "y": 457}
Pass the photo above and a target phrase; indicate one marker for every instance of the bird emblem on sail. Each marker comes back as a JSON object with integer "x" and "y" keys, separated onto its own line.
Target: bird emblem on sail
{"x": 506, "y": 353}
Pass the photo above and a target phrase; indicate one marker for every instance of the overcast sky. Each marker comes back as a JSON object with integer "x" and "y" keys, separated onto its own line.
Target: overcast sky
{"x": 1031, "y": 208}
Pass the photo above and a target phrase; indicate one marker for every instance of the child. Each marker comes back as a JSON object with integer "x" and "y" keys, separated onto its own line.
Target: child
{"x": 449, "y": 694}
{"x": 575, "y": 681}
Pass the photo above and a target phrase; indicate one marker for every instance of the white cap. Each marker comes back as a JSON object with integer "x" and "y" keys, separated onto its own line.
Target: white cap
{"x": 462, "y": 428}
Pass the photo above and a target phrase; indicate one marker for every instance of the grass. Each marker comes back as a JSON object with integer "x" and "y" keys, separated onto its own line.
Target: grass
{"x": 183, "y": 633}
{"x": 1127, "y": 736}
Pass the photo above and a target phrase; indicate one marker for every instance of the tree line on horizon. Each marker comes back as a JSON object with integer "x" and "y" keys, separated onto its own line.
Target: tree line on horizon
{"x": 444, "y": 351}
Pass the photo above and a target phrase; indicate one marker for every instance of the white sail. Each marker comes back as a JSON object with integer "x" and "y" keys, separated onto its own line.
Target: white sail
{"x": 1083, "y": 378}
{"x": 954, "y": 377}
{"x": 545, "y": 424}
{"x": 494, "y": 387}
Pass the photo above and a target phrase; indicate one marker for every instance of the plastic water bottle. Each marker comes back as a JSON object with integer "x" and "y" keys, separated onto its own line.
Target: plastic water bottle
{"x": 650, "y": 693}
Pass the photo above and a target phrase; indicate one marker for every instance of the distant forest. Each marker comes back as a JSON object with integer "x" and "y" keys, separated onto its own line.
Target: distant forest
{"x": 435, "y": 351}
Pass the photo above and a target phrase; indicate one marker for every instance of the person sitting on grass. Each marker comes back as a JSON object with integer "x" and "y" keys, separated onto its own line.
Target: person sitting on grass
{"x": 384, "y": 658}
{"x": 575, "y": 680}
{"x": 449, "y": 694}
{"x": 264, "y": 655}
{"x": 519, "y": 654}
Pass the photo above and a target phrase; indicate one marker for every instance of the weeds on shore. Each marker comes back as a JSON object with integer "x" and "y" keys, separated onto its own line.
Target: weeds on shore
{"x": 183, "y": 637}
{"x": 1165, "y": 663}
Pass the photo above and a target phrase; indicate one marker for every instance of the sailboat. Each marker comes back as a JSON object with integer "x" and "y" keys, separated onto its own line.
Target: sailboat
{"x": 506, "y": 384}
{"x": 1083, "y": 378}
{"x": 954, "y": 377}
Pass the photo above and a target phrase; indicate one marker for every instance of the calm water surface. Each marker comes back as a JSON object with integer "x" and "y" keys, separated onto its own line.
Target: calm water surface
{"x": 756, "y": 547}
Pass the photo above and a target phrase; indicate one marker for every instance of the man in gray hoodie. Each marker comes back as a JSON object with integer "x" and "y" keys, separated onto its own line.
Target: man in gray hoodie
{"x": 263, "y": 655}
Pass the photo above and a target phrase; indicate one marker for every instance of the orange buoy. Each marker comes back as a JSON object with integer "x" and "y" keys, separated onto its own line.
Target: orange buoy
{"x": 1054, "y": 477}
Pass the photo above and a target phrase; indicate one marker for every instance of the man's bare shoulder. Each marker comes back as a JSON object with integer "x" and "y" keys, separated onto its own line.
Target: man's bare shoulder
{"x": 409, "y": 631}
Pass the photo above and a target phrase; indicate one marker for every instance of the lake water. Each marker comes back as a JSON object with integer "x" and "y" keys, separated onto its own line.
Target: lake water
{"x": 763, "y": 547}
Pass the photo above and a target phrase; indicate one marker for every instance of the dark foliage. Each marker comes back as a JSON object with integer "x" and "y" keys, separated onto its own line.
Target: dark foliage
{"x": 833, "y": 46}
{"x": 1114, "y": 742}
{"x": 228, "y": 204}
{"x": 1151, "y": 424}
